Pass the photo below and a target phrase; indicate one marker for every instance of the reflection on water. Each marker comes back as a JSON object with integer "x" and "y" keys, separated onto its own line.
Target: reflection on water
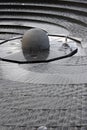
{"x": 35, "y": 56}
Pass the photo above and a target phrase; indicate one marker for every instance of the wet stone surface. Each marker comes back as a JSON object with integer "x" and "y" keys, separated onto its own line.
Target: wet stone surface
{"x": 60, "y": 46}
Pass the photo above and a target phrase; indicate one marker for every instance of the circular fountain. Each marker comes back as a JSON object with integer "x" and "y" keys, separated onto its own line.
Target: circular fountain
{"x": 37, "y": 46}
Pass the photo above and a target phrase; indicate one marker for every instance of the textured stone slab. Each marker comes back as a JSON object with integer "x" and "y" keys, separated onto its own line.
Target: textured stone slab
{"x": 28, "y": 73}
{"x": 28, "y": 106}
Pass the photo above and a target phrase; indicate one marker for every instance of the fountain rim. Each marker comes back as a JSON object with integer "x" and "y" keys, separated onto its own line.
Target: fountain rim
{"x": 43, "y": 61}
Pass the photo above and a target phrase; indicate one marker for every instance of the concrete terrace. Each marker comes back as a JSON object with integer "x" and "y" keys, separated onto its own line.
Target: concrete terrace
{"x": 51, "y": 94}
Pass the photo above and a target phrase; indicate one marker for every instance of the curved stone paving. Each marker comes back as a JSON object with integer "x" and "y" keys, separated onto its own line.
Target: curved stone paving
{"x": 25, "y": 106}
{"x": 52, "y": 94}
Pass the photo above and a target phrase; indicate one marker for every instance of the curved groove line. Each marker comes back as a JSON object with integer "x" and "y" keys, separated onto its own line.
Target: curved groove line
{"x": 53, "y": 16}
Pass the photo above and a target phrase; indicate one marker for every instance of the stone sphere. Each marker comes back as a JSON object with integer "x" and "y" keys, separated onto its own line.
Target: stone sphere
{"x": 42, "y": 128}
{"x": 35, "y": 40}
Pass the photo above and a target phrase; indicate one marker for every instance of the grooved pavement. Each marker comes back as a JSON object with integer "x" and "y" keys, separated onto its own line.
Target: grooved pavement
{"x": 28, "y": 106}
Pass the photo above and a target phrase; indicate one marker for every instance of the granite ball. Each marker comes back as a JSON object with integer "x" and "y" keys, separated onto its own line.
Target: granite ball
{"x": 42, "y": 128}
{"x": 35, "y": 40}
